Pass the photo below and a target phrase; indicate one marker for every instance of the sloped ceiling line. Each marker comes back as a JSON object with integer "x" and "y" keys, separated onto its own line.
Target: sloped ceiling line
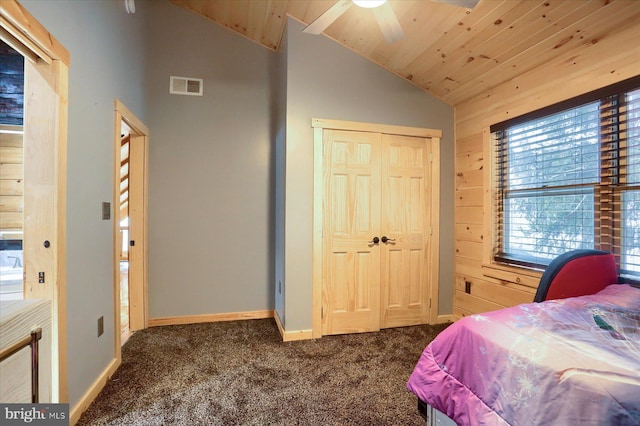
{"x": 451, "y": 52}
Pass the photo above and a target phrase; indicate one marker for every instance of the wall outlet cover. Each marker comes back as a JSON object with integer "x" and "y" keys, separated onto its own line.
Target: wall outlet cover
{"x": 106, "y": 211}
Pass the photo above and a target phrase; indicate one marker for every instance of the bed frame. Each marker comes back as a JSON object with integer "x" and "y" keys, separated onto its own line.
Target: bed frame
{"x": 577, "y": 273}
{"x": 432, "y": 416}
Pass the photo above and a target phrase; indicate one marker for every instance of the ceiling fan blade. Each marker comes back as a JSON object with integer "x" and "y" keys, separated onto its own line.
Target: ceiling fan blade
{"x": 327, "y": 18}
{"x": 469, "y": 4}
{"x": 389, "y": 24}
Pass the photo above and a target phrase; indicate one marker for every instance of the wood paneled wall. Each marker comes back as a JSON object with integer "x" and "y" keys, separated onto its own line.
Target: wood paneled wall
{"x": 11, "y": 182}
{"x": 598, "y": 63}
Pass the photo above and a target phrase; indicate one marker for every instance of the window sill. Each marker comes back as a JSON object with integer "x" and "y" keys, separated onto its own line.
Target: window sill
{"x": 524, "y": 276}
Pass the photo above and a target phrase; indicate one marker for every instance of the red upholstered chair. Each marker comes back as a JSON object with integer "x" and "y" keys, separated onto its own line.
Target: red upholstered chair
{"x": 577, "y": 273}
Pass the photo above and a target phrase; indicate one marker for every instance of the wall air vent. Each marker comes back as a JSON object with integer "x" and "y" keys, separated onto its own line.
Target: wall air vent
{"x": 185, "y": 86}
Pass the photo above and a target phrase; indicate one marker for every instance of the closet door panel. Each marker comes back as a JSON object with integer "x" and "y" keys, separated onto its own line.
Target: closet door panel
{"x": 351, "y": 204}
{"x": 405, "y": 199}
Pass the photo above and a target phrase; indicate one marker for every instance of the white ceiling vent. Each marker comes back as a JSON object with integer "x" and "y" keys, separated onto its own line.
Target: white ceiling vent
{"x": 185, "y": 86}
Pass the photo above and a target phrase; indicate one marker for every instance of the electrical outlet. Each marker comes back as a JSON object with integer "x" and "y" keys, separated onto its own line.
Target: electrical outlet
{"x": 40, "y": 277}
{"x": 100, "y": 326}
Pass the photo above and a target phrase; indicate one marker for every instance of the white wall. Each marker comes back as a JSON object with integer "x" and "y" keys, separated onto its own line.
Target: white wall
{"x": 211, "y": 197}
{"x": 326, "y": 80}
{"x": 107, "y": 62}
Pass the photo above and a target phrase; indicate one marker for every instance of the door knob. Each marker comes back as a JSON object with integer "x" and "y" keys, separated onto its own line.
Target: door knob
{"x": 388, "y": 240}
{"x": 375, "y": 240}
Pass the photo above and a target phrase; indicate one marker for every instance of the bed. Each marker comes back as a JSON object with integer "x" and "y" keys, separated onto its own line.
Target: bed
{"x": 567, "y": 360}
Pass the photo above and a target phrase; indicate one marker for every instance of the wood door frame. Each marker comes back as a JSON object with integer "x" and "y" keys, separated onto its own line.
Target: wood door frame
{"x": 139, "y": 301}
{"x": 318, "y": 126}
{"x": 47, "y": 74}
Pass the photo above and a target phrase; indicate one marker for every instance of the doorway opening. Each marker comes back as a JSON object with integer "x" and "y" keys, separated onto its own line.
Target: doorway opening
{"x": 130, "y": 224}
{"x": 11, "y": 173}
{"x": 125, "y": 135}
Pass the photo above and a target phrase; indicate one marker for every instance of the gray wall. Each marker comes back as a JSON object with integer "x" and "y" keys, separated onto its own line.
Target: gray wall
{"x": 107, "y": 48}
{"x": 326, "y": 80}
{"x": 211, "y": 219}
{"x": 279, "y": 128}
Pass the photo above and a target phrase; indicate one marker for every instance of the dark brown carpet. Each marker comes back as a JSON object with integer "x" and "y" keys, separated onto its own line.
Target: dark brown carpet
{"x": 241, "y": 373}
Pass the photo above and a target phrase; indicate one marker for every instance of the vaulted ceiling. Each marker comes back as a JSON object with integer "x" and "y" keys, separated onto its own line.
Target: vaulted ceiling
{"x": 453, "y": 53}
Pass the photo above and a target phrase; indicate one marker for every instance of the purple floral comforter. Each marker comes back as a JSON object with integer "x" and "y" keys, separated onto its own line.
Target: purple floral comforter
{"x": 560, "y": 362}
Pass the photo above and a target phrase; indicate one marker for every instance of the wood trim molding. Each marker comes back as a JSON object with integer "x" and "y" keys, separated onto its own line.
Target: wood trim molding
{"x": 93, "y": 391}
{"x": 375, "y": 128}
{"x": 196, "y": 319}
{"x": 60, "y": 291}
{"x": 276, "y": 317}
{"x": 21, "y": 47}
{"x": 434, "y": 252}
{"x": 137, "y": 126}
{"x": 12, "y": 129}
{"x": 27, "y": 30}
{"x": 489, "y": 196}
{"x": 316, "y": 266}
{"x": 117, "y": 243}
{"x": 525, "y": 276}
{"x": 442, "y": 319}
{"x": 291, "y": 336}
{"x": 138, "y": 134}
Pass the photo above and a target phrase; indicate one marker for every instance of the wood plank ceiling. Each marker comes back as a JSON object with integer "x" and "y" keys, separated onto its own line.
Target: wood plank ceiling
{"x": 454, "y": 53}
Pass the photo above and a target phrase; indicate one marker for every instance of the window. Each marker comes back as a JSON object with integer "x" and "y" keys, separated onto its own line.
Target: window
{"x": 568, "y": 177}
